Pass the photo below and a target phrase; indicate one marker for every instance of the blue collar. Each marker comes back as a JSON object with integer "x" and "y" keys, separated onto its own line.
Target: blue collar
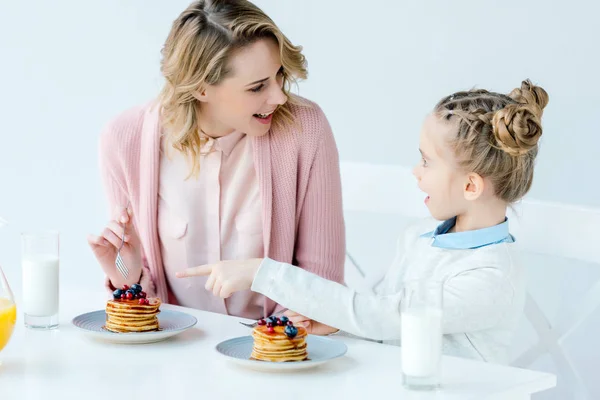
{"x": 469, "y": 239}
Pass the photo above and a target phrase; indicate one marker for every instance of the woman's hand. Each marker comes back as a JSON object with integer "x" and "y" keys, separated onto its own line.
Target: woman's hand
{"x": 106, "y": 245}
{"x": 312, "y": 327}
{"x": 226, "y": 277}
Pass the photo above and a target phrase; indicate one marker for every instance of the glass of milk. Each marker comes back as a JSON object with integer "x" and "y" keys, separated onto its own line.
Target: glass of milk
{"x": 421, "y": 334}
{"x": 39, "y": 261}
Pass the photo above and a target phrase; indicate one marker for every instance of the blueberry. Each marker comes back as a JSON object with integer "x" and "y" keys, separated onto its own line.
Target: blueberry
{"x": 136, "y": 288}
{"x": 284, "y": 320}
{"x": 272, "y": 320}
{"x": 117, "y": 294}
{"x": 130, "y": 291}
{"x": 291, "y": 331}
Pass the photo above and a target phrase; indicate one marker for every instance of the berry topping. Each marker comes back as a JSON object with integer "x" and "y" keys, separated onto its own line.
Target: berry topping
{"x": 129, "y": 295}
{"x": 142, "y": 301}
{"x": 261, "y": 322}
{"x": 142, "y": 294}
{"x": 290, "y": 323}
{"x": 136, "y": 288}
{"x": 284, "y": 320}
{"x": 291, "y": 331}
{"x": 123, "y": 296}
{"x": 125, "y": 287}
{"x": 272, "y": 320}
{"x": 117, "y": 294}
{"x": 269, "y": 325}
{"x": 280, "y": 322}
{"x": 271, "y": 329}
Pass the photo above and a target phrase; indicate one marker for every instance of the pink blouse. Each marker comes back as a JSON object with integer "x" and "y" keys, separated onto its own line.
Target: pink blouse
{"x": 210, "y": 217}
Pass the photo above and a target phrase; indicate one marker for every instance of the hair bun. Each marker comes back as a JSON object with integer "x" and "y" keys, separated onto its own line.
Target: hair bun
{"x": 518, "y": 127}
{"x": 530, "y": 94}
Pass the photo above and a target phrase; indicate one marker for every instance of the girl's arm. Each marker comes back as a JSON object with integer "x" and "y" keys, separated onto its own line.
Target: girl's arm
{"x": 328, "y": 302}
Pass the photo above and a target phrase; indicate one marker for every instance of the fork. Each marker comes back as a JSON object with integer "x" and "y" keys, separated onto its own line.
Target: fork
{"x": 254, "y": 325}
{"x": 119, "y": 263}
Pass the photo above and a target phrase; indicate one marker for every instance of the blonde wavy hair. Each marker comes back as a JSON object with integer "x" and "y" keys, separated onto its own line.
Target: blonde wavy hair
{"x": 196, "y": 54}
{"x": 497, "y": 135}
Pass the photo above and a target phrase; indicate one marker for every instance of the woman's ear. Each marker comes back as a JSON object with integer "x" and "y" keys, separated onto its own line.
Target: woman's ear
{"x": 201, "y": 95}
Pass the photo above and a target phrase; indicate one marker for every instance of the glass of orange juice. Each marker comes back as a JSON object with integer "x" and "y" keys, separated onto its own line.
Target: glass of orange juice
{"x": 8, "y": 311}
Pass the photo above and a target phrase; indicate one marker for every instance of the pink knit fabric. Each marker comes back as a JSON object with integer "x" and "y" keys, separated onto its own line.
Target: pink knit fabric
{"x": 299, "y": 178}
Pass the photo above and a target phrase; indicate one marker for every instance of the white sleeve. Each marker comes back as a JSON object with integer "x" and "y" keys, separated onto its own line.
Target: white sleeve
{"x": 328, "y": 302}
{"x": 477, "y": 299}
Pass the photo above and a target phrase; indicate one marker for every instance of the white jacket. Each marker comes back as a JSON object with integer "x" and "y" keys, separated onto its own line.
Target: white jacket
{"x": 483, "y": 295}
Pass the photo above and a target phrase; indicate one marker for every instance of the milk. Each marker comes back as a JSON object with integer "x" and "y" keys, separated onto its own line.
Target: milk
{"x": 40, "y": 285}
{"x": 421, "y": 346}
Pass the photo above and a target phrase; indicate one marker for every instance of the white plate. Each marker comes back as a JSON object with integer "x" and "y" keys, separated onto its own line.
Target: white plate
{"x": 320, "y": 350}
{"x": 170, "y": 324}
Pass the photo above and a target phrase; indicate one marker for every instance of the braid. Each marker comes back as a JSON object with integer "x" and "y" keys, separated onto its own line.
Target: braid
{"x": 497, "y": 134}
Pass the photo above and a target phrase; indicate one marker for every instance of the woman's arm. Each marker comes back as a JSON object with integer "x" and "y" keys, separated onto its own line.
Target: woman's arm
{"x": 320, "y": 241}
{"x": 112, "y": 172}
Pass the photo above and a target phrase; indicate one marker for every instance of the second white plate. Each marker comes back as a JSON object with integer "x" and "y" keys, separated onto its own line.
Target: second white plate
{"x": 320, "y": 350}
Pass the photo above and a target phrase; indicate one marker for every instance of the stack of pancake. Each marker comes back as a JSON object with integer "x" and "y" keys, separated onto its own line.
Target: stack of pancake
{"x": 276, "y": 346}
{"x": 124, "y": 315}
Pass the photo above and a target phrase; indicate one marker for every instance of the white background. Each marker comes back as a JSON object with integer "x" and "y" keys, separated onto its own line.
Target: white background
{"x": 375, "y": 67}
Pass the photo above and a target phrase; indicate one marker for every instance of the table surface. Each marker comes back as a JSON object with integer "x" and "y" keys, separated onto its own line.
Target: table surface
{"x": 66, "y": 363}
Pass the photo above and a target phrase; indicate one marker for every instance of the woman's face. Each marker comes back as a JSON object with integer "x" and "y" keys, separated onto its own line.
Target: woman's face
{"x": 246, "y": 99}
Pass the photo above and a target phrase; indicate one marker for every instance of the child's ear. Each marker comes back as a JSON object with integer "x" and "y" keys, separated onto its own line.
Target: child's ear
{"x": 474, "y": 186}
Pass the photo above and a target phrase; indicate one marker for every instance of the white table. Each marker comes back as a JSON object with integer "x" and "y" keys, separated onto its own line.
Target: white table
{"x": 66, "y": 364}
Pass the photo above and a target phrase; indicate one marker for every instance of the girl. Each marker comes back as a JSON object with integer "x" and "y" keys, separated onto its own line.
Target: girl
{"x": 226, "y": 164}
{"x": 478, "y": 150}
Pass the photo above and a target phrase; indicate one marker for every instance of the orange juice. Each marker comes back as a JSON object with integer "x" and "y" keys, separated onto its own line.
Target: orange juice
{"x": 8, "y": 318}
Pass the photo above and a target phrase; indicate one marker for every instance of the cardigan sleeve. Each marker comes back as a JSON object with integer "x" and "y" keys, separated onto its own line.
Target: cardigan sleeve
{"x": 114, "y": 156}
{"x": 321, "y": 242}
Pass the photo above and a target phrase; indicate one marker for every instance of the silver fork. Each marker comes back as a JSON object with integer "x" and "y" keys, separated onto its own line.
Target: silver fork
{"x": 119, "y": 263}
{"x": 277, "y": 314}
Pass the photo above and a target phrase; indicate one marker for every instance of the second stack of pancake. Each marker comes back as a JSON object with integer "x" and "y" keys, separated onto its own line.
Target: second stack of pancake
{"x": 276, "y": 346}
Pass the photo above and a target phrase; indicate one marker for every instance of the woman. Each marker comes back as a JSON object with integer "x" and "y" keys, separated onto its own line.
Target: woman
{"x": 226, "y": 164}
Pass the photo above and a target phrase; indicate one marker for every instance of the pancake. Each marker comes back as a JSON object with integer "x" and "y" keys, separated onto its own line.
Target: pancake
{"x": 124, "y": 328}
{"x": 133, "y": 322}
{"x": 132, "y": 307}
{"x": 131, "y": 317}
{"x": 132, "y": 313}
{"x": 277, "y": 346}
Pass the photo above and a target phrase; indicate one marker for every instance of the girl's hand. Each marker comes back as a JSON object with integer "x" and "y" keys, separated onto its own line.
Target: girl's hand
{"x": 312, "y": 327}
{"x": 226, "y": 277}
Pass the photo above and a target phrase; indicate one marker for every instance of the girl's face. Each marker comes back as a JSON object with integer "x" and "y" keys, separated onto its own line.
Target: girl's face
{"x": 438, "y": 174}
{"x": 246, "y": 99}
